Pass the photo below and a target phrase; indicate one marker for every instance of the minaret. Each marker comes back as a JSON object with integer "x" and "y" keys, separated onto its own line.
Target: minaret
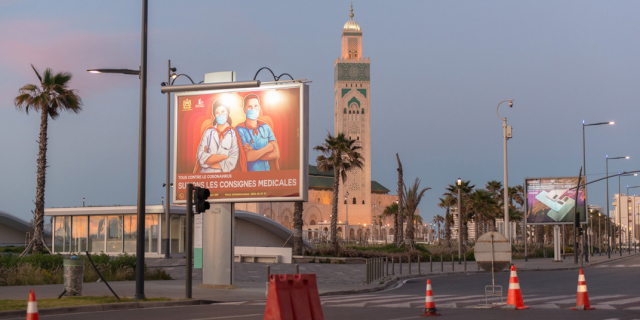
{"x": 352, "y": 117}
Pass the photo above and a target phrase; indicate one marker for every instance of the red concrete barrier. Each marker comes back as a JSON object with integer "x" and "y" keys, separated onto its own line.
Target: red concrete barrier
{"x": 293, "y": 296}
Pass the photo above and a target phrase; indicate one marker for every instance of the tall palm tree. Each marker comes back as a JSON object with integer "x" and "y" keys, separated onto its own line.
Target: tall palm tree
{"x": 50, "y": 97}
{"x": 392, "y": 211}
{"x": 341, "y": 155}
{"x": 494, "y": 188}
{"x": 297, "y": 228}
{"x": 412, "y": 197}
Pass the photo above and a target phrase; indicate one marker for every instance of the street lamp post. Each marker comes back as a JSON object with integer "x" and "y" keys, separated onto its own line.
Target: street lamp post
{"x": 506, "y": 133}
{"x": 142, "y": 150}
{"x": 459, "y": 221}
{"x": 599, "y": 235}
{"x": 608, "y": 218}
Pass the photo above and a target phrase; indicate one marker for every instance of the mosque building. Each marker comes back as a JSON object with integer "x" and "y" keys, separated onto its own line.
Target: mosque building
{"x": 362, "y": 199}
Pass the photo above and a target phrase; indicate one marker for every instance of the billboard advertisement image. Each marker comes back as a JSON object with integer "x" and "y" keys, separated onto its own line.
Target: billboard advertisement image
{"x": 550, "y": 200}
{"x": 244, "y": 145}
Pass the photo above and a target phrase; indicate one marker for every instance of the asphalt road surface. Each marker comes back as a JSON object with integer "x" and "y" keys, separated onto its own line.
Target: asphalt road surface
{"x": 614, "y": 290}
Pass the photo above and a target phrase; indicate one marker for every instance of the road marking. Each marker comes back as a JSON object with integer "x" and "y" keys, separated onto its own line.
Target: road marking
{"x": 229, "y": 317}
{"x": 624, "y": 301}
{"x": 590, "y": 299}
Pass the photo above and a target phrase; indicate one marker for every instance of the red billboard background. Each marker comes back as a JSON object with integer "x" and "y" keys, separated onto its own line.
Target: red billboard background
{"x": 279, "y": 108}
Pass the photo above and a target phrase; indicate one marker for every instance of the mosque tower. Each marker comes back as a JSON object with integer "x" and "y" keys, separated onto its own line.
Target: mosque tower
{"x": 353, "y": 118}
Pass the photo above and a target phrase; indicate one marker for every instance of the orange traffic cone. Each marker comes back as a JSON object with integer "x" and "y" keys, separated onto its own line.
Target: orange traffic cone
{"x": 582, "y": 302}
{"x": 429, "y": 305}
{"x": 515, "y": 295}
{"x": 32, "y": 306}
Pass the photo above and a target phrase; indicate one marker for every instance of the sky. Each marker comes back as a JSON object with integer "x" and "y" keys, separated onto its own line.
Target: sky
{"x": 438, "y": 70}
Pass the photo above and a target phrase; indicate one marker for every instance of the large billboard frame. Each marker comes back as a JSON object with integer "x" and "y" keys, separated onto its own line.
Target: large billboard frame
{"x": 303, "y": 143}
{"x": 526, "y": 203}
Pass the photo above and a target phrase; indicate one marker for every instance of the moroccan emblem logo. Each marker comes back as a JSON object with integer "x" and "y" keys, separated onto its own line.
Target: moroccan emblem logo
{"x": 186, "y": 105}
{"x": 181, "y": 196}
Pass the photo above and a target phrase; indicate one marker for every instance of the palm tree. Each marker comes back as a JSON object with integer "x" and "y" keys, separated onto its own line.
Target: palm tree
{"x": 341, "y": 155}
{"x": 412, "y": 197}
{"x": 485, "y": 206}
{"x": 50, "y": 97}
{"x": 447, "y": 202}
{"x": 465, "y": 190}
{"x": 392, "y": 211}
{"x": 438, "y": 220}
{"x": 297, "y": 228}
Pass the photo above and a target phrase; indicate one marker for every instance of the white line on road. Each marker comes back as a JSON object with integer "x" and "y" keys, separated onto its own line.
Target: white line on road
{"x": 229, "y": 317}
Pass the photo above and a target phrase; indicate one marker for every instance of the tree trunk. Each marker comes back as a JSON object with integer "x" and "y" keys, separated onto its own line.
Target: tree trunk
{"x": 297, "y": 228}
{"x": 409, "y": 235}
{"x": 447, "y": 230}
{"x": 334, "y": 213}
{"x": 38, "y": 215}
{"x": 400, "y": 217}
{"x": 539, "y": 235}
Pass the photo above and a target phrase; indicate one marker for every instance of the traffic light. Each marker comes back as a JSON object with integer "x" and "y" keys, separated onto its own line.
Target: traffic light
{"x": 200, "y": 196}
{"x": 580, "y": 231}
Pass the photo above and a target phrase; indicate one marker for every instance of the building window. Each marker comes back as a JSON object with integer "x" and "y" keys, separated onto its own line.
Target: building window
{"x": 358, "y": 112}
{"x": 345, "y": 110}
{"x": 114, "y": 234}
{"x": 97, "y": 230}
{"x": 345, "y": 201}
{"x": 358, "y": 137}
{"x": 354, "y": 200}
{"x": 362, "y": 201}
{"x": 362, "y": 110}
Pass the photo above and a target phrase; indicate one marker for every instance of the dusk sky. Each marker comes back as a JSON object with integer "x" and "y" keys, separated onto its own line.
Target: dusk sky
{"x": 438, "y": 70}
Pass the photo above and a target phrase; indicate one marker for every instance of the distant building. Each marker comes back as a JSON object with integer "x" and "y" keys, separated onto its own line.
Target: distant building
{"x": 17, "y": 232}
{"x": 623, "y": 215}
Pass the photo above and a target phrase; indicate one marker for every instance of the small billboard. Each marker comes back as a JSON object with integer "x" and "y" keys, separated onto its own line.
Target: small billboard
{"x": 244, "y": 145}
{"x": 553, "y": 201}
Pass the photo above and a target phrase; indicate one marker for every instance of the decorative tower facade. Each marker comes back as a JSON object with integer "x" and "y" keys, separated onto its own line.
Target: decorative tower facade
{"x": 352, "y": 117}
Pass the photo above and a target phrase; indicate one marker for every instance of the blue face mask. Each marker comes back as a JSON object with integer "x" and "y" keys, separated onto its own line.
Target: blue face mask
{"x": 253, "y": 114}
{"x": 221, "y": 119}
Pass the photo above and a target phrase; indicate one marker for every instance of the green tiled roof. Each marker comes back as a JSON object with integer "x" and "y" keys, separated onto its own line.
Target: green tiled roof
{"x": 324, "y": 180}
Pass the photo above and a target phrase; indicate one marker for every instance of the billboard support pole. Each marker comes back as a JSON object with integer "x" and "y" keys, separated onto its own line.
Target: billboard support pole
{"x": 526, "y": 231}
{"x": 189, "y": 250}
{"x": 576, "y": 221}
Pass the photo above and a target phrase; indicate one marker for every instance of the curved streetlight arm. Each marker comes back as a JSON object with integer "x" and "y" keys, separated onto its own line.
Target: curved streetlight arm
{"x": 182, "y": 74}
{"x": 272, "y": 74}
{"x": 501, "y": 118}
{"x": 623, "y": 174}
{"x": 121, "y": 71}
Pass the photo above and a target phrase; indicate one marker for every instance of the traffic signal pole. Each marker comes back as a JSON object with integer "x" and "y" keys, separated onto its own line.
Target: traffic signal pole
{"x": 188, "y": 284}
{"x": 576, "y": 221}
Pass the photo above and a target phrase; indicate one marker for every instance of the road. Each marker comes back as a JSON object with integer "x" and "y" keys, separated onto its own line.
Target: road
{"x": 614, "y": 289}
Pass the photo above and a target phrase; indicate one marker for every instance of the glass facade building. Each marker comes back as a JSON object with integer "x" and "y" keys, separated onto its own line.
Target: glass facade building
{"x": 113, "y": 230}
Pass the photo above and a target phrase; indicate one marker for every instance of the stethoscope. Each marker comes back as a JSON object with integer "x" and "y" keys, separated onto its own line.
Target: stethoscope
{"x": 261, "y": 131}
{"x": 220, "y": 145}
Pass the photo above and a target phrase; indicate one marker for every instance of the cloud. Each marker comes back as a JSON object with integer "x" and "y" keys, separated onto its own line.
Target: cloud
{"x": 62, "y": 47}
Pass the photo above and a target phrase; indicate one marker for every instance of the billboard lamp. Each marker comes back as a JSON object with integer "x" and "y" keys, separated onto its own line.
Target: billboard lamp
{"x": 211, "y": 86}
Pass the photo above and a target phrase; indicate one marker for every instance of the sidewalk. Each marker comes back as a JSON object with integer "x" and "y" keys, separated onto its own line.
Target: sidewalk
{"x": 251, "y": 279}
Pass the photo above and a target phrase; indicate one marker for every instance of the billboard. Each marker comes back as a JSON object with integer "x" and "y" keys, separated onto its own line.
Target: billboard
{"x": 244, "y": 145}
{"x": 550, "y": 200}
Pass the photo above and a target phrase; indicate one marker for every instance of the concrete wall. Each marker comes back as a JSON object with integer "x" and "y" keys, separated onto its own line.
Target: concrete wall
{"x": 251, "y": 235}
{"x": 10, "y": 236}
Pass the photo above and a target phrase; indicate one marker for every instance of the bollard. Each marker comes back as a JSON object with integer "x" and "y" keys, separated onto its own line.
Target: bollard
{"x": 297, "y": 269}
{"x": 419, "y": 258}
{"x": 367, "y": 271}
{"x": 430, "y": 263}
{"x": 393, "y": 266}
{"x": 400, "y": 259}
{"x": 386, "y": 266}
{"x": 266, "y": 293}
{"x": 409, "y": 258}
{"x": 465, "y": 263}
{"x": 453, "y": 263}
{"x": 441, "y": 263}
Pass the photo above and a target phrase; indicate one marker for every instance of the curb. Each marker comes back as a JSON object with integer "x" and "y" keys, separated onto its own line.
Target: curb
{"x": 102, "y": 307}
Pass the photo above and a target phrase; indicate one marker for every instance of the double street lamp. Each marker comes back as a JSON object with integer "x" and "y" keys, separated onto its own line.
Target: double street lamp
{"x": 584, "y": 162}
{"x": 608, "y": 218}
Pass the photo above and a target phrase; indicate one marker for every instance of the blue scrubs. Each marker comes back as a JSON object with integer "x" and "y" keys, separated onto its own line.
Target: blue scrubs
{"x": 261, "y": 140}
